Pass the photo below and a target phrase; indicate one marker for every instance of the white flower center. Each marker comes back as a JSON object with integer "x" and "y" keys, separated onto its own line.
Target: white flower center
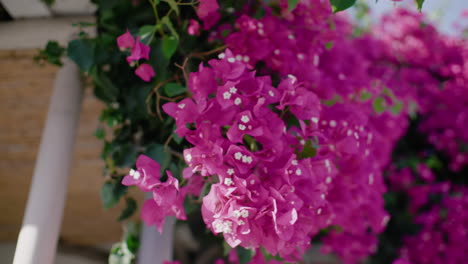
{"x": 226, "y": 95}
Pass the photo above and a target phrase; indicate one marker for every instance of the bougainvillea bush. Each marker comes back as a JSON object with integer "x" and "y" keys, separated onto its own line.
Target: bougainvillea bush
{"x": 282, "y": 126}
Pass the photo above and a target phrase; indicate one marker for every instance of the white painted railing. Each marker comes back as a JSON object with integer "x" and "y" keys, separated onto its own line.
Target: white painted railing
{"x": 155, "y": 248}
{"x": 37, "y": 240}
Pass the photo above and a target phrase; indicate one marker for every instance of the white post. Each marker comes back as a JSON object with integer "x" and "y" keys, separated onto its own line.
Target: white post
{"x": 155, "y": 248}
{"x": 37, "y": 240}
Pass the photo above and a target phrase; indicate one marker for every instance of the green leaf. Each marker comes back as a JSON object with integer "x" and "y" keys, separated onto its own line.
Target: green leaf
{"x": 159, "y": 154}
{"x": 173, "y": 89}
{"x": 166, "y": 21}
{"x": 173, "y": 5}
{"x": 190, "y": 206}
{"x": 145, "y": 32}
{"x": 340, "y": 5}
{"x": 120, "y": 254}
{"x": 125, "y": 155}
{"x": 104, "y": 88}
{"x": 100, "y": 133}
{"x": 176, "y": 138}
{"x": 111, "y": 192}
{"x": 292, "y": 5}
{"x": 365, "y": 95}
{"x": 81, "y": 51}
{"x": 308, "y": 151}
{"x": 419, "y": 3}
{"x": 49, "y": 3}
{"x": 84, "y": 24}
{"x": 434, "y": 163}
{"x": 132, "y": 239}
{"x": 52, "y": 53}
{"x": 379, "y": 104}
{"x": 245, "y": 255}
{"x": 169, "y": 46}
{"x": 130, "y": 208}
{"x": 397, "y": 108}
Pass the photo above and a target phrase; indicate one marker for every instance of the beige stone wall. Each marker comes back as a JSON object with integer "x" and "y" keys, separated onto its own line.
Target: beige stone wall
{"x": 25, "y": 88}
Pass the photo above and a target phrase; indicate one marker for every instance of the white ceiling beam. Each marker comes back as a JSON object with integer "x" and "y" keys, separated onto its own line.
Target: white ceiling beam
{"x": 26, "y": 8}
{"x": 34, "y": 33}
{"x": 73, "y": 7}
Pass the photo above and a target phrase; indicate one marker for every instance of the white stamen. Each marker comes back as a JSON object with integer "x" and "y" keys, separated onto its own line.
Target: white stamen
{"x": 298, "y": 172}
{"x": 294, "y": 162}
{"x": 237, "y": 101}
{"x": 228, "y": 181}
{"x": 221, "y": 56}
{"x": 260, "y": 31}
{"x": 276, "y": 51}
{"x": 181, "y": 106}
{"x": 236, "y": 213}
{"x": 226, "y": 95}
{"x": 231, "y": 60}
{"x": 136, "y": 175}
{"x": 371, "y": 179}
{"x": 333, "y": 123}
{"x": 314, "y": 119}
{"x": 233, "y": 90}
{"x": 188, "y": 157}
{"x": 328, "y": 180}
{"x": 242, "y": 127}
{"x": 290, "y": 36}
{"x": 245, "y": 213}
{"x": 319, "y": 211}
{"x": 238, "y": 155}
{"x": 246, "y": 58}
{"x": 245, "y": 119}
{"x": 292, "y": 77}
{"x": 316, "y": 60}
{"x": 230, "y": 171}
{"x": 247, "y": 159}
{"x": 132, "y": 171}
{"x": 271, "y": 93}
{"x": 300, "y": 56}
{"x": 239, "y": 57}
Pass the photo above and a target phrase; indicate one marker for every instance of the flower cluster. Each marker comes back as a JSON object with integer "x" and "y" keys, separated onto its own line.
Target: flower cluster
{"x": 167, "y": 197}
{"x": 138, "y": 51}
{"x": 300, "y": 144}
{"x": 433, "y": 73}
{"x": 443, "y": 234}
{"x": 438, "y": 208}
{"x": 286, "y": 165}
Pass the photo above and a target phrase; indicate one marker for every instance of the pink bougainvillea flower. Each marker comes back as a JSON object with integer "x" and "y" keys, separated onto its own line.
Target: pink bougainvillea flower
{"x": 167, "y": 199}
{"x": 125, "y": 41}
{"x": 193, "y": 28}
{"x": 146, "y": 176}
{"x": 206, "y": 11}
{"x": 145, "y": 72}
{"x": 139, "y": 51}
